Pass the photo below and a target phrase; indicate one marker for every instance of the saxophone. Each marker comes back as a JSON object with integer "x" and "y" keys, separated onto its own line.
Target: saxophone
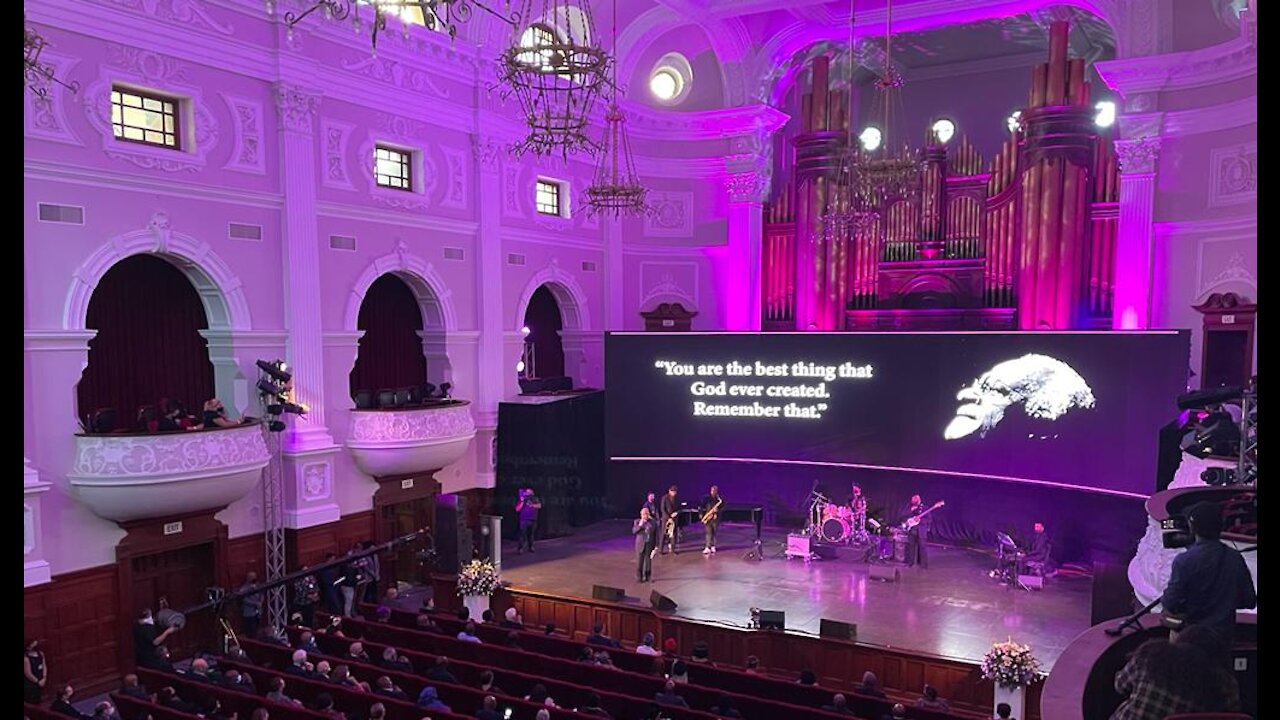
{"x": 710, "y": 514}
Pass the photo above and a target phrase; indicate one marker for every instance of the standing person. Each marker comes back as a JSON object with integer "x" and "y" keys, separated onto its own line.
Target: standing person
{"x": 251, "y": 605}
{"x": 1209, "y": 580}
{"x": 148, "y": 642}
{"x": 917, "y": 522}
{"x": 527, "y": 508}
{"x": 710, "y": 508}
{"x": 651, "y": 502}
{"x": 373, "y": 573}
{"x": 646, "y": 534}
{"x": 349, "y": 582}
{"x": 669, "y": 516}
{"x": 34, "y": 673}
{"x": 328, "y": 578}
{"x": 306, "y": 593}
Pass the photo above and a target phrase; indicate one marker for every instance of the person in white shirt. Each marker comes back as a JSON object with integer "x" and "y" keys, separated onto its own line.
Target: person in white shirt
{"x": 646, "y": 646}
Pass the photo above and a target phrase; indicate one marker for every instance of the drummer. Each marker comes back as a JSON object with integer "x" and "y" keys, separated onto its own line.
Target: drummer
{"x": 857, "y": 501}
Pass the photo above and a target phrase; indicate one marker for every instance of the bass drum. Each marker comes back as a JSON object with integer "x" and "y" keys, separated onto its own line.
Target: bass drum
{"x": 835, "y": 530}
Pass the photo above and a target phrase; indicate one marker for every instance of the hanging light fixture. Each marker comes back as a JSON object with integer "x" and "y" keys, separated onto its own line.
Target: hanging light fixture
{"x": 441, "y": 15}
{"x": 616, "y": 186}
{"x": 556, "y": 70}
{"x": 38, "y": 75}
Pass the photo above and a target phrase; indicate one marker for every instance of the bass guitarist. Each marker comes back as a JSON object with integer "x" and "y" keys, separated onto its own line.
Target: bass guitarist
{"x": 710, "y": 509}
{"x": 917, "y": 522}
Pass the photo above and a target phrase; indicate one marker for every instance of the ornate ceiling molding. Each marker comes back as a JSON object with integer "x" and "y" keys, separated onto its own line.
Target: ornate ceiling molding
{"x": 1185, "y": 70}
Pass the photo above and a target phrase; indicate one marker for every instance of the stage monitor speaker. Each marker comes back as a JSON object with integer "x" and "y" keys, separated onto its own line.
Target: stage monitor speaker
{"x": 611, "y": 594}
{"x": 661, "y": 602}
{"x": 838, "y": 630}
{"x": 885, "y": 573}
{"x": 799, "y": 546}
{"x": 1112, "y": 593}
{"x": 1031, "y": 582}
{"x": 773, "y": 620}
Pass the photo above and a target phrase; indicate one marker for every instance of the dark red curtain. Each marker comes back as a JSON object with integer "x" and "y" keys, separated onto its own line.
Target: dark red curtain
{"x": 148, "y": 346}
{"x": 544, "y": 323}
{"x": 391, "y": 350}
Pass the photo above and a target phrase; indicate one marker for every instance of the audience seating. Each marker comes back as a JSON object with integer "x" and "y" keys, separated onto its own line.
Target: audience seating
{"x": 194, "y": 691}
{"x": 36, "y": 712}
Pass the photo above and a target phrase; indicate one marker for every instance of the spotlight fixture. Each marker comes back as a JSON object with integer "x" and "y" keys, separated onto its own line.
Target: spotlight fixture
{"x": 520, "y": 366}
{"x": 275, "y": 388}
{"x": 277, "y": 369}
{"x": 1014, "y": 121}
{"x": 525, "y": 331}
{"x": 943, "y": 130}
{"x": 1106, "y": 116}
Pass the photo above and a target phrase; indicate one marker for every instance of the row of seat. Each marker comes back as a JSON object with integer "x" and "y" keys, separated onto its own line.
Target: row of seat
{"x": 635, "y": 675}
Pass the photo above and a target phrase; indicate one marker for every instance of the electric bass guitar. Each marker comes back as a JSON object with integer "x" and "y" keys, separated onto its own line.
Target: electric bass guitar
{"x": 915, "y": 520}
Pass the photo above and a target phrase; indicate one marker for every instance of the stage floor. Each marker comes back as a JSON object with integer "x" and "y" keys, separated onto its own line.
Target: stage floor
{"x": 953, "y": 609}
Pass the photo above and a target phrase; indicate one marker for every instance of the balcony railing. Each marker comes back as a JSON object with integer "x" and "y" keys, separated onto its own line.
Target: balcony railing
{"x": 411, "y": 440}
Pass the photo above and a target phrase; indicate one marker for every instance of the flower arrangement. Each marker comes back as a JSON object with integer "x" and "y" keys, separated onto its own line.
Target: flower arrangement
{"x": 1010, "y": 664}
{"x": 478, "y": 577}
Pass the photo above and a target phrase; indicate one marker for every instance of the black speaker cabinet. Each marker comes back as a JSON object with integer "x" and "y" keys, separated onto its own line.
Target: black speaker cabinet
{"x": 604, "y": 592}
{"x": 661, "y": 602}
{"x": 773, "y": 620}
{"x": 838, "y": 630}
{"x": 885, "y": 573}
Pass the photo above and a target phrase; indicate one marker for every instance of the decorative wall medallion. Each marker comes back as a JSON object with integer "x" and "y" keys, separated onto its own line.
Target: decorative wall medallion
{"x": 1233, "y": 175}
{"x": 672, "y": 215}
{"x": 669, "y": 282}
{"x": 315, "y": 481}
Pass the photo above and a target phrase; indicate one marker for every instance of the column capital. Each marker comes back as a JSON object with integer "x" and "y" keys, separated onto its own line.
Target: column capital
{"x": 297, "y": 107}
{"x": 751, "y": 186}
{"x": 1138, "y": 156}
{"x": 488, "y": 153}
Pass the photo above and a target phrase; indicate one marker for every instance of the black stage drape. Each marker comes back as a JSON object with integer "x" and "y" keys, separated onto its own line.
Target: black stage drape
{"x": 391, "y": 353}
{"x": 148, "y": 345}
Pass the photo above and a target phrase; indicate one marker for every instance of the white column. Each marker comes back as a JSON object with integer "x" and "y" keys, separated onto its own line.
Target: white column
{"x": 308, "y": 447}
{"x": 614, "y": 276}
{"x": 35, "y": 569}
{"x": 1135, "y": 252}
{"x": 493, "y": 372}
{"x": 747, "y": 191}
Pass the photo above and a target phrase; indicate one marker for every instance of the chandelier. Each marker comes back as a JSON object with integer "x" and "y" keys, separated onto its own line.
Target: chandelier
{"x": 442, "y": 15}
{"x": 35, "y": 74}
{"x": 616, "y": 186}
{"x": 874, "y": 172}
{"x": 556, "y": 70}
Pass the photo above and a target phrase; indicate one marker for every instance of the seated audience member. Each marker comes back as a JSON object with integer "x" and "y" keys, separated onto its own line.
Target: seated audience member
{"x": 930, "y": 700}
{"x": 513, "y": 639}
{"x": 540, "y": 696}
{"x": 807, "y": 677}
{"x": 870, "y": 685}
{"x": 424, "y": 622}
{"x": 1004, "y": 711}
{"x": 512, "y": 620}
{"x": 325, "y": 706}
{"x": 392, "y": 660}
{"x": 603, "y": 659}
{"x": 680, "y": 673}
{"x": 1209, "y": 581}
{"x": 323, "y": 671}
{"x": 299, "y": 664}
{"x": 468, "y": 633}
{"x": 646, "y": 646}
{"x": 356, "y": 652}
{"x": 724, "y": 708}
{"x": 215, "y": 415}
{"x": 487, "y": 684}
{"x": 235, "y": 680}
{"x": 549, "y": 629}
{"x": 429, "y": 699}
{"x": 489, "y": 709}
{"x": 839, "y": 705}
{"x": 440, "y": 672}
{"x": 464, "y": 614}
{"x": 173, "y": 417}
{"x": 586, "y": 655}
{"x": 899, "y": 712}
{"x": 391, "y": 597}
{"x": 62, "y": 703}
{"x": 592, "y": 707}
{"x": 260, "y": 714}
{"x": 130, "y": 686}
{"x": 543, "y": 714}
{"x": 342, "y": 676}
{"x": 200, "y": 671}
{"x": 1189, "y": 674}
{"x": 106, "y": 711}
{"x": 670, "y": 648}
{"x": 384, "y": 686}
{"x": 486, "y": 617}
{"x": 169, "y": 698}
{"x": 669, "y": 697}
{"x": 377, "y": 711}
{"x": 753, "y": 665}
{"x": 701, "y": 654}
{"x": 598, "y": 637}
{"x": 275, "y": 692}
{"x": 307, "y": 642}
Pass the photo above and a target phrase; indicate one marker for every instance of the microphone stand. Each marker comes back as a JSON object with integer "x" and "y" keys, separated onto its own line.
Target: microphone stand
{"x": 1132, "y": 620}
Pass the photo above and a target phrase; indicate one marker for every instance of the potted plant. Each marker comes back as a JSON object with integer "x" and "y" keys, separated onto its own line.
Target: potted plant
{"x": 478, "y": 580}
{"x": 1012, "y": 667}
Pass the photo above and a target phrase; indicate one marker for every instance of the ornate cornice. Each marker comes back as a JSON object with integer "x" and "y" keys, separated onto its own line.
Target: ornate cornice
{"x": 1138, "y": 155}
{"x": 667, "y": 125}
{"x": 297, "y": 107}
{"x": 1220, "y": 63}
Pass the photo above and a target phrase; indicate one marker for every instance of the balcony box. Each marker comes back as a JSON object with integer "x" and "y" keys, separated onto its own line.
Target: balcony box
{"x": 411, "y": 440}
{"x": 124, "y": 477}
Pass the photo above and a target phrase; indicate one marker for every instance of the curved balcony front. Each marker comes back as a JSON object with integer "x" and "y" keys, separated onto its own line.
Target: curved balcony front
{"x": 124, "y": 477}
{"x": 414, "y": 440}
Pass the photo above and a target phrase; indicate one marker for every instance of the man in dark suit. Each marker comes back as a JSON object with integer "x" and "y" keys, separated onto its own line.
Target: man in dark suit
{"x": 645, "y": 531}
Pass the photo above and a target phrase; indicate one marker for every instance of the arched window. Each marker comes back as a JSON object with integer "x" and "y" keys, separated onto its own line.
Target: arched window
{"x": 391, "y": 354}
{"x": 544, "y": 322}
{"x": 148, "y": 346}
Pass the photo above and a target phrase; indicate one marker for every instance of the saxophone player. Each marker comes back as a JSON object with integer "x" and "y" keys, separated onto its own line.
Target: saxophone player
{"x": 710, "y": 509}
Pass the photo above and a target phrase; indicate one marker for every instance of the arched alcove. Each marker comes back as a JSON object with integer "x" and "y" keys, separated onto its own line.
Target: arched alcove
{"x": 544, "y": 320}
{"x": 147, "y": 315}
{"x": 391, "y": 352}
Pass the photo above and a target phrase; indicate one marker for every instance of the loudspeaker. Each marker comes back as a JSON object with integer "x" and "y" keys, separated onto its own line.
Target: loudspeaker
{"x": 1034, "y": 582}
{"x": 661, "y": 602}
{"x": 885, "y": 573}
{"x": 773, "y": 620}
{"x": 604, "y": 592}
{"x": 838, "y": 630}
{"x": 798, "y": 546}
{"x": 1112, "y": 593}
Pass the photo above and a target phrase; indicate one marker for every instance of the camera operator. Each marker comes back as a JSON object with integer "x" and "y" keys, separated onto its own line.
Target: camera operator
{"x": 1210, "y": 581}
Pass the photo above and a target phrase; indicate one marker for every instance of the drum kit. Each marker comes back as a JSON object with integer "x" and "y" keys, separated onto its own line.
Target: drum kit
{"x": 838, "y": 524}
